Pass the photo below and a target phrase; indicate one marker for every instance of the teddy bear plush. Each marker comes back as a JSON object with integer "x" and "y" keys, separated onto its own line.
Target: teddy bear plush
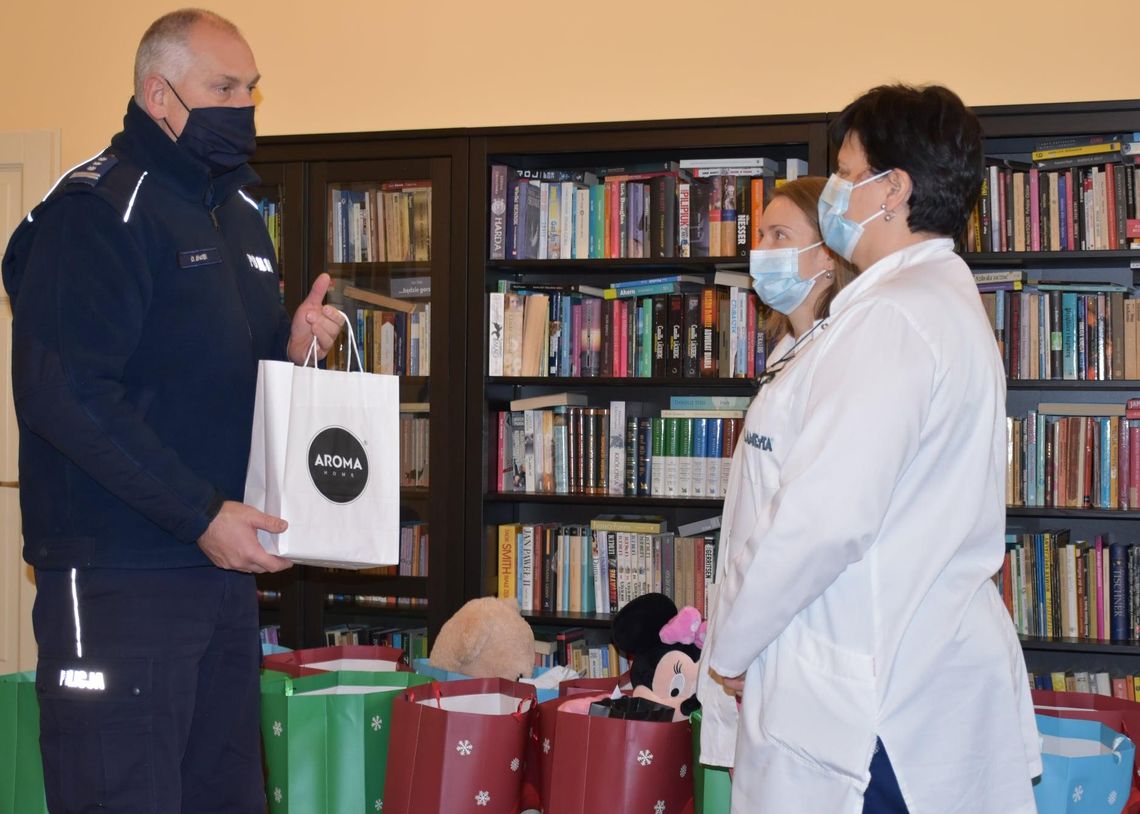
{"x": 486, "y": 638}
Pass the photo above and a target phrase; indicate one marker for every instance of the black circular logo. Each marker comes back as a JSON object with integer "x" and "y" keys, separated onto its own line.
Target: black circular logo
{"x": 338, "y": 465}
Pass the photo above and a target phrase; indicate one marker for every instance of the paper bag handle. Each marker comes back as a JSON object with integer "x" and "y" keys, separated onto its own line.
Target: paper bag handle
{"x": 312, "y": 354}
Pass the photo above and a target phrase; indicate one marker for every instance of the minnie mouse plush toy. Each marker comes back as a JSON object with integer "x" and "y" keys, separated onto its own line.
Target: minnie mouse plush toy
{"x": 664, "y": 645}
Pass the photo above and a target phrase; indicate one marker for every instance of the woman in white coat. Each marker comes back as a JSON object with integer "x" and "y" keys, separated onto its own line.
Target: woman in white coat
{"x": 854, "y": 614}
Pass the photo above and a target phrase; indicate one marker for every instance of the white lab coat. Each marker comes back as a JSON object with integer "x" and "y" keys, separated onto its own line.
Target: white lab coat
{"x": 864, "y": 519}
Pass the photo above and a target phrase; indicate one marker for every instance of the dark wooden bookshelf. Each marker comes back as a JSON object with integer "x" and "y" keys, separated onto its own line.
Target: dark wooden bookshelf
{"x": 304, "y": 167}
{"x": 602, "y": 500}
{"x": 1072, "y": 514}
{"x": 1072, "y": 384}
{"x": 739, "y": 386}
{"x": 1067, "y": 645}
{"x": 601, "y": 145}
{"x": 457, "y": 161}
{"x": 1049, "y": 259}
{"x": 622, "y": 265}
{"x": 569, "y": 618}
{"x": 1011, "y": 131}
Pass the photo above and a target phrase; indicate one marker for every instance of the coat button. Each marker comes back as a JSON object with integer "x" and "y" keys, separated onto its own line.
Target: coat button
{"x": 136, "y": 691}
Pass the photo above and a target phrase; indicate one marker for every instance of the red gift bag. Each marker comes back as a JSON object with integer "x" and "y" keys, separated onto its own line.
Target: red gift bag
{"x": 611, "y": 764}
{"x": 575, "y": 686}
{"x": 361, "y": 658}
{"x": 458, "y": 746}
{"x": 1118, "y": 714}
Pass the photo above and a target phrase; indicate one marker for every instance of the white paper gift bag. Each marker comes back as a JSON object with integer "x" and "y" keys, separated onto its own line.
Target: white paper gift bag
{"x": 324, "y": 457}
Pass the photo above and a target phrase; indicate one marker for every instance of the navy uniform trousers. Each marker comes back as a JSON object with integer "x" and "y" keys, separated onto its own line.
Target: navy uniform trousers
{"x": 149, "y": 705}
{"x": 883, "y": 795}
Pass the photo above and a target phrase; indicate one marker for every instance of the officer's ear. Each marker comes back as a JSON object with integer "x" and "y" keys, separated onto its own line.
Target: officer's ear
{"x": 156, "y": 97}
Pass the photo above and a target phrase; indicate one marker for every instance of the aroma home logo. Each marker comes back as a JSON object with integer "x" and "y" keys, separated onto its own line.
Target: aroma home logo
{"x": 338, "y": 465}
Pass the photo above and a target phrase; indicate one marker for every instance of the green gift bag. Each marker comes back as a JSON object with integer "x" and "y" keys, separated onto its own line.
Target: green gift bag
{"x": 712, "y": 787}
{"x": 21, "y": 768}
{"x": 326, "y": 739}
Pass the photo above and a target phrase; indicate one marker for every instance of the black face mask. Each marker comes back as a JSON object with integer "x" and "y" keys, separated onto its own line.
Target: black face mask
{"x": 223, "y": 138}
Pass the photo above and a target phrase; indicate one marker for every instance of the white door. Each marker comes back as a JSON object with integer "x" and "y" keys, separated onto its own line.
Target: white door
{"x": 29, "y": 165}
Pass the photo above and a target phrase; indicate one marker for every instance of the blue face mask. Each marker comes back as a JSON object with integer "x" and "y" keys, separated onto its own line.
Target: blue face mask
{"x": 776, "y": 277}
{"x": 222, "y": 138}
{"x": 841, "y": 233}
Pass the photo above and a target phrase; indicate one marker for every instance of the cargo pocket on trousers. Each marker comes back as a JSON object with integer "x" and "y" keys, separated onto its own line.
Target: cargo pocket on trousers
{"x": 96, "y": 722}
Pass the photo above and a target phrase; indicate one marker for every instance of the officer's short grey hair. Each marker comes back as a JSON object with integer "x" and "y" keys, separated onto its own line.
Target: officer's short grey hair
{"x": 163, "y": 48}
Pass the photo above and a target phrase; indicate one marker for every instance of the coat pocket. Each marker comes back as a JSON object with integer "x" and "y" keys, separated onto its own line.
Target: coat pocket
{"x": 818, "y": 701}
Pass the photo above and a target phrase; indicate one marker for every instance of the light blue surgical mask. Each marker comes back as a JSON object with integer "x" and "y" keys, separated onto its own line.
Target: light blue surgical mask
{"x": 776, "y": 277}
{"x": 840, "y": 233}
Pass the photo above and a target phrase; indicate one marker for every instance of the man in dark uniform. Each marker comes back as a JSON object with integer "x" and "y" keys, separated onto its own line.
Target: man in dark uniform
{"x": 144, "y": 292}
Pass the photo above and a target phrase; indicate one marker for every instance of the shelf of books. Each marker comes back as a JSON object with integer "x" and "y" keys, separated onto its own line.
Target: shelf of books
{"x": 621, "y": 340}
{"x": 381, "y": 228}
{"x": 1054, "y": 246}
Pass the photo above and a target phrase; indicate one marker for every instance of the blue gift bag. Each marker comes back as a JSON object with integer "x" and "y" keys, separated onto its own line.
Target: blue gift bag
{"x": 1087, "y": 767}
{"x": 424, "y": 667}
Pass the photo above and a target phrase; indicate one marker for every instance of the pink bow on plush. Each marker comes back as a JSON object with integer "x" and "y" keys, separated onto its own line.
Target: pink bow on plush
{"x": 685, "y": 628}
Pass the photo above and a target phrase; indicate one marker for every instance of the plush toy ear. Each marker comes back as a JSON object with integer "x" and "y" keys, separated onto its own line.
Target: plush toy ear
{"x": 637, "y": 626}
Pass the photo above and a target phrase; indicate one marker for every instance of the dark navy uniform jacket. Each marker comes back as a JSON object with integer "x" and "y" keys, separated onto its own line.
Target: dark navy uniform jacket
{"x": 144, "y": 292}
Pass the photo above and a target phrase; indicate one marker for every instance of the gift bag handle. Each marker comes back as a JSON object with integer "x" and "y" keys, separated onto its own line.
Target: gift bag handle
{"x": 352, "y": 349}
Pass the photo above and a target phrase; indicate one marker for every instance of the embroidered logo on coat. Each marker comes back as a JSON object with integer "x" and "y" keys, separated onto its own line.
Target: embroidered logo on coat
{"x": 761, "y": 442}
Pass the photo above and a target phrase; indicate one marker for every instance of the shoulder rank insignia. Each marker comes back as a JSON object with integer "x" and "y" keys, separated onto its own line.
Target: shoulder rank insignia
{"x": 93, "y": 171}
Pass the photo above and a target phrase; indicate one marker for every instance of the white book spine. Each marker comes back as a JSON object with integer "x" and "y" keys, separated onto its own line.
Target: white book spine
{"x": 543, "y": 218}
{"x": 495, "y": 335}
{"x": 616, "y": 480}
{"x": 568, "y": 205}
{"x": 528, "y": 450}
{"x": 582, "y": 224}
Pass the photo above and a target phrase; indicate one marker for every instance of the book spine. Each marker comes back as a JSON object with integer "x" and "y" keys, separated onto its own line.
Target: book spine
{"x": 617, "y": 449}
{"x": 645, "y": 436}
{"x": 657, "y": 459}
{"x": 498, "y": 235}
{"x": 1118, "y": 572}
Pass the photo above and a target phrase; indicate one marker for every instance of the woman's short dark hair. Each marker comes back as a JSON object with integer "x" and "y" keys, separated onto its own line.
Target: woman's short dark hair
{"x": 930, "y": 133}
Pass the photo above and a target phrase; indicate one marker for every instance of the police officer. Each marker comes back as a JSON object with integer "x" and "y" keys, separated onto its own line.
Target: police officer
{"x": 144, "y": 291}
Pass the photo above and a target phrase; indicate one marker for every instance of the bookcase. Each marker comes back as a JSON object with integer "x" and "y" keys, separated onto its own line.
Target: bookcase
{"x": 383, "y": 215}
{"x": 1012, "y": 132}
{"x": 308, "y": 177}
{"x": 624, "y": 162}
{"x": 1103, "y": 273}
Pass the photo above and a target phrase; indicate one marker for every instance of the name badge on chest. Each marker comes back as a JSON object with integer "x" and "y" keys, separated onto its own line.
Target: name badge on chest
{"x": 199, "y": 257}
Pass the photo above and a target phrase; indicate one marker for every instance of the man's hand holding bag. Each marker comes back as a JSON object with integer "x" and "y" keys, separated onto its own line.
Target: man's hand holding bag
{"x": 323, "y": 457}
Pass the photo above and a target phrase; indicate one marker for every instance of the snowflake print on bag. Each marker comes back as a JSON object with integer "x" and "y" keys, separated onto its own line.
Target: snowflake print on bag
{"x": 684, "y": 770}
{"x": 377, "y": 723}
{"x": 1112, "y": 797}
{"x": 379, "y": 805}
{"x": 277, "y": 729}
{"x": 1078, "y": 793}
{"x": 464, "y": 747}
{"x": 277, "y": 795}
{"x": 644, "y": 757}
{"x": 482, "y": 798}
{"x": 515, "y": 765}
{"x": 659, "y": 808}
{"x": 546, "y": 746}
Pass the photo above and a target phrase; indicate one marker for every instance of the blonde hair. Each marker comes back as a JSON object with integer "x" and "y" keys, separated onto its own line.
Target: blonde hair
{"x": 164, "y": 48}
{"x": 804, "y": 194}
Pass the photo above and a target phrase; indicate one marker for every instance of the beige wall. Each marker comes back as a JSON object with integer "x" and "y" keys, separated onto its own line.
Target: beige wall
{"x": 345, "y": 65}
